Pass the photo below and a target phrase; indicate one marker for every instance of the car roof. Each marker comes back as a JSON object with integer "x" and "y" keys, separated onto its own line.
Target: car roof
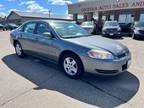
{"x": 1, "y": 24}
{"x": 87, "y": 21}
{"x": 56, "y": 21}
{"x": 48, "y": 21}
{"x": 139, "y": 21}
{"x": 109, "y": 21}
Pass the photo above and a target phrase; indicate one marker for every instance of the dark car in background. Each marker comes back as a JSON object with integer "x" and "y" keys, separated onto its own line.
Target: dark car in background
{"x": 10, "y": 26}
{"x": 1, "y": 27}
{"x": 138, "y": 30}
{"x": 125, "y": 28}
{"x": 111, "y": 29}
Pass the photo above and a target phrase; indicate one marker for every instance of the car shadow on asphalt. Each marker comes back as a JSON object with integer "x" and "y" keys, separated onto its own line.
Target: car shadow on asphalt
{"x": 105, "y": 92}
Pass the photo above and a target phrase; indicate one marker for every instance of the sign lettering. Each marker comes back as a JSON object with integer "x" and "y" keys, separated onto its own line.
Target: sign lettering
{"x": 116, "y": 6}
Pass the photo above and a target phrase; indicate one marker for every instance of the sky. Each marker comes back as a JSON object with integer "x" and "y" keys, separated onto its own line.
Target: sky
{"x": 58, "y": 7}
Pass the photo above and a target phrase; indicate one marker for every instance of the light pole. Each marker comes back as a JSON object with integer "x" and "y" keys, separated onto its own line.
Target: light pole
{"x": 49, "y": 13}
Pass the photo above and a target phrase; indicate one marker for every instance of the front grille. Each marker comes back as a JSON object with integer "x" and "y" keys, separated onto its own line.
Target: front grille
{"x": 107, "y": 71}
{"x": 141, "y": 31}
{"x": 122, "y": 55}
{"x": 112, "y": 30}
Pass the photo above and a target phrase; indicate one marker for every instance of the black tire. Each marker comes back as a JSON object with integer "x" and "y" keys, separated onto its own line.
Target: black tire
{"x": 80, "y": 69}
{"x": 20, "y": 54}
{"x": 103, "y": 35}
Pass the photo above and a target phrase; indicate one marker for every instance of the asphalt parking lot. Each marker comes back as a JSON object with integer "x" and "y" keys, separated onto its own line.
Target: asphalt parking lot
{"x": 32, "y": 83}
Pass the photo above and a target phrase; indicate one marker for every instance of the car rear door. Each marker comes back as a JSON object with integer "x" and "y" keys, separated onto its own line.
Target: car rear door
{"x": 28, "y": 39}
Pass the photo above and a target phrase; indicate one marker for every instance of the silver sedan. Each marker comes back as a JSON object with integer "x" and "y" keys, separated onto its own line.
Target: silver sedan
{"x": 74, "y": 49}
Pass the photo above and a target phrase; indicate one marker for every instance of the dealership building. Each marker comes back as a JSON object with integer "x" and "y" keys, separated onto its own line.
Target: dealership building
{"x": 120, "y": 10}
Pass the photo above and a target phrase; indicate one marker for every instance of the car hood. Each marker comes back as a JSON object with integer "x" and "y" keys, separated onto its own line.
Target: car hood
{"x": 139, "y": 28}
{"x": 87, "y": 26}
{"x": 111, "y": 27}
{"x": 98, "y": 42}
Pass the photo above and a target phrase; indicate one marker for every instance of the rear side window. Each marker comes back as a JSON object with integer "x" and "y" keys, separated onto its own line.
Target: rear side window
{"x": 29, "y": 28}
{"x": 42, "y": 28}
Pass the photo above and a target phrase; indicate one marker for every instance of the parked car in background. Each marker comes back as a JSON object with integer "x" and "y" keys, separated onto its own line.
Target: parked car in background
{"x": 73, "y": 48}
{"x": 125, "y": 28}
{"x": 111, "y": 29}
{"x": 138, "y": 30}
{"x": 10, "y": 26}
{"x": 89, "y": 26}
{"x": 1, "y": 27}
{"x": 93, "y": 27}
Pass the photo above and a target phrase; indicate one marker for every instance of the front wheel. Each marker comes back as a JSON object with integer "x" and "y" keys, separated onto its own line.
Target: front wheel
{"x": 72, "y": 66}
{"x": 19, "y": 50}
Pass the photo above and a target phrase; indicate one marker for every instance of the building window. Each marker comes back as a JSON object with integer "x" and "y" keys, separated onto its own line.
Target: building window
{"x": 80, "y": 16}
{"x": 112, "y": 17}
{"x": 125, "y": 18}
{"x": 104, "y": 18}
{"x": 141, "y": 17}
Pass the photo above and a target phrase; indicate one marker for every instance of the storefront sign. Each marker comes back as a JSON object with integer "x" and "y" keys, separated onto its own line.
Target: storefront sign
{"x": 139, "y": 4}
{"x": 105, "y": 5}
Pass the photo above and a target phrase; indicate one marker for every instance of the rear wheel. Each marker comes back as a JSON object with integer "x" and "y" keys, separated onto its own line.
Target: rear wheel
{"x": 72, "y": 66}
{"x": 18, "y": 49}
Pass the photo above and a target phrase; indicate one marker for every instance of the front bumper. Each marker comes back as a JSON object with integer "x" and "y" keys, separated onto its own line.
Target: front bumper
{"x": 89, "y": 29}
{"x": 139, "y": 35}
{"x": 107, "y": 67}
{"x": 116, "y": 33}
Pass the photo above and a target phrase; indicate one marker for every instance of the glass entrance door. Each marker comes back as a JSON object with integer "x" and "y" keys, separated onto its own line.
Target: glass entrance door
{"x": 141, "y": 17}
{"x": 125, "y": 18}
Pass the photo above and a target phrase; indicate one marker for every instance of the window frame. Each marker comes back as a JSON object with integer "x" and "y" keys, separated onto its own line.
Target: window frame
{"x": 24, "y": 26}
{"x": 38, "y": 23}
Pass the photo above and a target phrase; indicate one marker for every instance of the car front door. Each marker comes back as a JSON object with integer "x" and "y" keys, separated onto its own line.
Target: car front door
{"x": 45, "y": 40}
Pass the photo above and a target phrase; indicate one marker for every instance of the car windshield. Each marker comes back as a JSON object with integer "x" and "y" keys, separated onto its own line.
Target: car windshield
{"x": 69, "y": 30}
{"x": 139, "y": 24}
{"x": 1, "y": 25}
{"x": 111, "y": 24}
{"x": 87, "y": 24}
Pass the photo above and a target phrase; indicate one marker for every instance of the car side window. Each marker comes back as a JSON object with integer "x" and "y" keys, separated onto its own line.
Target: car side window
{"x": 29, "y": 28}
{"x": 42, "y": 28}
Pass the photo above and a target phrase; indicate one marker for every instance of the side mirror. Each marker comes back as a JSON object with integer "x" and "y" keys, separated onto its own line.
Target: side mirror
{"x": 48, "y": 34}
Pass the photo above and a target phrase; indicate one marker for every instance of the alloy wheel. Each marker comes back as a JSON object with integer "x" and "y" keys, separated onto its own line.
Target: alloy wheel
{"x": 70, "y": 66}
{"x": 18, "y": 49}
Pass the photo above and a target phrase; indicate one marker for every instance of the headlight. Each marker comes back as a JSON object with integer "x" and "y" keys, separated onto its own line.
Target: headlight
{"x": 100, "y": 54}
